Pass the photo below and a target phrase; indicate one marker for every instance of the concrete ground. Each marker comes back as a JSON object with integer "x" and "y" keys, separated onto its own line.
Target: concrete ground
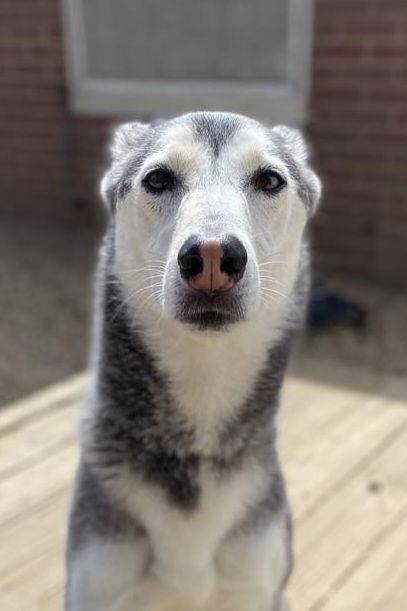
{"x": 45, "y": 290}
{"x": 381, "y": 346}
{"x": 45, "y": 305}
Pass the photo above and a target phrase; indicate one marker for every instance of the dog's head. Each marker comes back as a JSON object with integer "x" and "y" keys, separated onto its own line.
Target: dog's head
{"x": 210, "y": 210}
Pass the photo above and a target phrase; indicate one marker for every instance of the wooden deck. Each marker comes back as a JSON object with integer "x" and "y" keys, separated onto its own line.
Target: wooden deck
{"x": 344, "y": 450}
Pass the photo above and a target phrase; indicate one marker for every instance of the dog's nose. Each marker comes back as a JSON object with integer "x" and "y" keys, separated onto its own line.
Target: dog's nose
{"x": 212, "y": 265}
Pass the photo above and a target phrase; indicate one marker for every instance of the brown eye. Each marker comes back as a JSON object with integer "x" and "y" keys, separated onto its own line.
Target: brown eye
{"x": 158, "y": 181}
{"x": 269, "y": 181}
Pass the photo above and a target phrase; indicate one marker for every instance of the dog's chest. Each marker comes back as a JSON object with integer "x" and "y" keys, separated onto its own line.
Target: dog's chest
{"x": 211, "y": 381}
{"x": 223, "y": 503}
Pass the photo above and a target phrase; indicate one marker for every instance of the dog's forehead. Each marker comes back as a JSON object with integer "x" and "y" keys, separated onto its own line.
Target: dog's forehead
{"x": 211, "y": 135}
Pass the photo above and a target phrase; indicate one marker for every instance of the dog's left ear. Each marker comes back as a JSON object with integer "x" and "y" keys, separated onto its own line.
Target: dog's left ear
{"x": 125, "y": 143}
{"x": 294, "y": 152}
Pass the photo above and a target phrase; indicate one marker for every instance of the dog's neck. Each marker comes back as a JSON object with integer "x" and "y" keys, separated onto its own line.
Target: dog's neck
{"x": 210, "y": 374}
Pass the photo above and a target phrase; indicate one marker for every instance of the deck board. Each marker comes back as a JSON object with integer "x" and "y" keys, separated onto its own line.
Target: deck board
{"x": 340, "y": 531}
{"x": 325, "y": 456}
{"x": 379, "y": 583}
{"x": 344, "y": 451}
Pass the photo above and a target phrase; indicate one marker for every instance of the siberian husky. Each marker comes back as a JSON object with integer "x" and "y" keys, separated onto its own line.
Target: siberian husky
{"x": 179, "y": 502}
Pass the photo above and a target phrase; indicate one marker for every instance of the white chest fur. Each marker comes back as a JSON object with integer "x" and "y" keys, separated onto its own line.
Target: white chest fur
{"x": 184, "y": 546}
{"x": 211, "y": 375}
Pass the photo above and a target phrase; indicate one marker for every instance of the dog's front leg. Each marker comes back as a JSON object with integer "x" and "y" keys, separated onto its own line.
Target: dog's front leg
{"x": 187, "y": 577}
{"x": 252, "y": 569}
{"x": 116, "y": 576}
{"x": 104, "y": 573}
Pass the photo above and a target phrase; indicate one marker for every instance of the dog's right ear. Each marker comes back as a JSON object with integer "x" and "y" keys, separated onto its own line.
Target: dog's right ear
{"x": 125, "y": 143}
{"x": 126, "y": 138}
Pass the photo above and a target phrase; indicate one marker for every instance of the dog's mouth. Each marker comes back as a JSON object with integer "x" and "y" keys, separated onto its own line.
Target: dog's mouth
{"x": 210, "y": 311}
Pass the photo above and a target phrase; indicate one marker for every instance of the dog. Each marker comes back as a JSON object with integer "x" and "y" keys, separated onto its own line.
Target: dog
{"x": 179, "y": 501}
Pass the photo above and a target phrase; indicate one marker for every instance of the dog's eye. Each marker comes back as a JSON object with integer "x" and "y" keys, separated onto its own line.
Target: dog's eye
{"x": 158, "y": 181}
{"x": 269, "y": 181}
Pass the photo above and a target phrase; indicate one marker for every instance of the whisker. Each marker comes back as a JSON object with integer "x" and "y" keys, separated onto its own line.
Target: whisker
{"x": 132, "y": 296}
{"x": 274, "y": 292}
{"x": 143, "y": 280}
{"x": 141, "y": 269}
{"x": 271, "y": 283}
{"x": 272, "y": 262}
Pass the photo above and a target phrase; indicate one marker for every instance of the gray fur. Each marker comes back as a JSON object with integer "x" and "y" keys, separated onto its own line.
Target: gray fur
{"x": 215, "y": 132}
{"x": 93, "y": 513}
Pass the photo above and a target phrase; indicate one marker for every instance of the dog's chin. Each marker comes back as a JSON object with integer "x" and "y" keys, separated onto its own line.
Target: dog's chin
{"x": 209, "y": 320}
{"x": 210, "y": 313}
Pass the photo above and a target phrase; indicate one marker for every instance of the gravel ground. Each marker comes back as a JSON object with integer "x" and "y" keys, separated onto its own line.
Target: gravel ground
{"x": 45, "y": 296}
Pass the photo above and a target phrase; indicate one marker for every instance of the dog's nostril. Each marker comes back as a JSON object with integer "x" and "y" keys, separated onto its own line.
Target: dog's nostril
{"x": 190, "y": 263}
{"x": 231, "y": 266}
{"x": 189, "y": 258}
{"x": 234, "y": 259}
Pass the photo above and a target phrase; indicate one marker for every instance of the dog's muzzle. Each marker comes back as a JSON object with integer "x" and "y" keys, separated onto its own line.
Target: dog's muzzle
{"x": 211, "y": 270}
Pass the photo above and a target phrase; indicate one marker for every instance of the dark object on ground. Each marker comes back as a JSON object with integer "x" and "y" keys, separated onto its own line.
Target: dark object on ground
{"x": 328, "y": 309}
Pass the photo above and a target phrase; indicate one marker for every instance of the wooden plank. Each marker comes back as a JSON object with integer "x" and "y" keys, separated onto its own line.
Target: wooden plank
{"x": 380, "y": 582}
{"x": 32, "y": 584}
{"x": 36, "y": 439}
{"x": 27, "y": 490}
{"x": 31, "y": 558}
{"x": 52, "y": 599}
{"x": 307, "y": 402}
{"x": 38, "y": 457}
{"x": 315, "y": 464}
{"x": 341, "y": 529}
{"x": 341, "y": 375}
{"x": 16, "y": 414}
{"x": 318, "y": 408}
{"x": 9, "y": 604}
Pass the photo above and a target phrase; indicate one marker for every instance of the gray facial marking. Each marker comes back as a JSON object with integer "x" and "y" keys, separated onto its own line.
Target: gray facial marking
{"x": 216, "y": 129}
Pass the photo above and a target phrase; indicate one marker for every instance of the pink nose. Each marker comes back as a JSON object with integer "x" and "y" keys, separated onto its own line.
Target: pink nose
{"x": 212, "y": 265}
{"x": 211, "y": 278}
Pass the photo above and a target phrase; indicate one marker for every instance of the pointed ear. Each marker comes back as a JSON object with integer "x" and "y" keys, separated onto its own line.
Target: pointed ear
{"x": 125, "y": 139}
{"x": 291, "y": 139}
{"x": 126, "y": 142}
{"x": 294, "y": 152}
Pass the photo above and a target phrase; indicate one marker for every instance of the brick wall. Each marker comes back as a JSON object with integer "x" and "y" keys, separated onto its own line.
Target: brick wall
{"x": 51, "y": 160}
{"x": 359, "y": 134}
{"x": 32, "y": 110}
